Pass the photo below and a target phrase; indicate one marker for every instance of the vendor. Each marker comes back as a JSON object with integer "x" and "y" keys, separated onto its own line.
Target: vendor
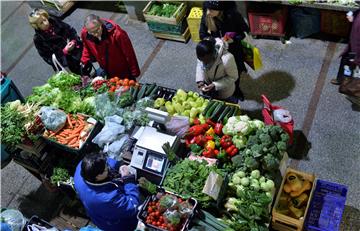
{"x": 108, "y": 192}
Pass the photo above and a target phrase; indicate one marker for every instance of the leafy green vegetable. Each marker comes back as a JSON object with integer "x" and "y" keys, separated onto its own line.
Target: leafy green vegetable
{"x": 12, "y": 126}
{"x": 188, "y": 178}
{"x": 59, "y": 175}
{"x": 163, "y": 9}
{"x": 64, "y": 80}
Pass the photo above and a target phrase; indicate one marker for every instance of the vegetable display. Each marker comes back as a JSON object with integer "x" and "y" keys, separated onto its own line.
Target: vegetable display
{"x": 219, "y": 111}
{"x": 163, "y": 9}
{"x": 188, "y": 178}
{"x": 167, "y": 211}
{"x": 189, "y": 104}
{"x": 59, "y": 175}
{"x": 17, "y": 121}
{"x": 74, "y": 133}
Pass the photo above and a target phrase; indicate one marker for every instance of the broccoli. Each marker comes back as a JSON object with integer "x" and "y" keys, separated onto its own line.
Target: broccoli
{"x": 281, "y": 145}
{"x": 257, "y": 150}
{"x": 265, "y": 139}
{"x": 251, "y": 163}
{"x": 253, "y": 140}
{"x": 274, "y": 132}
{"x": 273, "y": 149}
{"x": 284, "y": 137}
{"x": 269, "y": 162}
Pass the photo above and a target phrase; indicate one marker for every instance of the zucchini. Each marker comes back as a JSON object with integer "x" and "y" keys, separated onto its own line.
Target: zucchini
{"x": 217, "y": 111}
{"x": 210, "y": 103}
{"x": 236, "y": 111}
{"x": 223, "y": 114}
{"x": 154, "y": 91}
{"x": 141, "y": 93}
{"x": 131, "y": 91}
{"x": 149, "y": 89}
{"x": 134, "y": 94}
{"x": 211, "y": 109}
{"x": 229, "y": 114}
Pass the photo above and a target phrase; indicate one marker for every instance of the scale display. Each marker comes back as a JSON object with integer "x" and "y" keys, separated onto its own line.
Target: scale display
{"x": 155, "y": 163}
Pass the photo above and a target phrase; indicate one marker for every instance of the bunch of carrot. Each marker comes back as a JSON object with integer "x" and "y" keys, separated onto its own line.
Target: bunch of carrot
{"x": 72, "y": 133}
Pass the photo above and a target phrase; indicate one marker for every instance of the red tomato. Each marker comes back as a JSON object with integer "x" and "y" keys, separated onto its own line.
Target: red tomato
{"x": 132, "y": 83}
{"x": 116, "y": 78}
{"x": 126, "y": 82}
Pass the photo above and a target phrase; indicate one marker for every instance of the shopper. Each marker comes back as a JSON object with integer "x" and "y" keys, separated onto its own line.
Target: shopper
{"x": 108, "y": 192}
{"x": 53, "y": 36}
{"x": 221, "y": 18}
{"x": 351, "y": 54}
{"x": 110, "y": 46}
{"x": 216, "y": 70}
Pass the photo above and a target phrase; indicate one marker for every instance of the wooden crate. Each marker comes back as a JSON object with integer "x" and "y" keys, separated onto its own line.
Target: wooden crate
{"x": 174, "y": 20}
{"x": 283, "y": 222}
{"x": 180, "y": 38}
{"x": 34, "y": 148}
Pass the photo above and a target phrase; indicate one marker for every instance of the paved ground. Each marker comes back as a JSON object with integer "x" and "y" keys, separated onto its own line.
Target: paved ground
{"x": 295, "y": 76}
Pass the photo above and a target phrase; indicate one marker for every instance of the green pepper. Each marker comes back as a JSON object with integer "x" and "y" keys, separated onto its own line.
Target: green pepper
{"x": 222, "y": 155}
{"x": 195, "y": 148}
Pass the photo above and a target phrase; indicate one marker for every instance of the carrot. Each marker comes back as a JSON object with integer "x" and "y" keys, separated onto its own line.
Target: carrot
{"x": 72, "y": 137}
{"x": 73, "y": 141}
{"x": 79, "y": 129}
{"x": 69, "y": 121}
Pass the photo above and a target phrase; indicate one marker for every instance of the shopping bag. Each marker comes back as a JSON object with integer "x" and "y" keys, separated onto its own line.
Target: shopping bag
{"x": 276, "y": 115}
{"x": 58, "y": 65}
{"x": 350, "y": 86}
{"x": 251, "y": 55}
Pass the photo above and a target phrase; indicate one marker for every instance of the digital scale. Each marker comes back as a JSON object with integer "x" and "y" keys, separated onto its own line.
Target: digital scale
{"x": 148, "y": 157}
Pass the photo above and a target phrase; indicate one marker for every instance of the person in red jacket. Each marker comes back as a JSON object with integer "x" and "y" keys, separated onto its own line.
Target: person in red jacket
{"x": 110, "y": 46}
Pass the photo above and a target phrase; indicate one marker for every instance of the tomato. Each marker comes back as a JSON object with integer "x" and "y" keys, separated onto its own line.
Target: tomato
{"x": 153, "y": 223}
{"x": 112, "y": 80}
{"x": 150, "y": 210}
{"x": 112, "y": 88}
{"x": 121, "y": 82}
{"x": 132, "y": 83}
{"x": 157, "y": 213}
{"x": 180, "y": 200}
{"x": 158, "y": 223}
{"x": 116, "y": 78}
{"x": 125, "y": 88}
{"x": 126, "y": 82}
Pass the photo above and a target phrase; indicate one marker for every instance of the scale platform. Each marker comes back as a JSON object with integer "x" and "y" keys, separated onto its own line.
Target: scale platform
{"x": 148, "y": 157}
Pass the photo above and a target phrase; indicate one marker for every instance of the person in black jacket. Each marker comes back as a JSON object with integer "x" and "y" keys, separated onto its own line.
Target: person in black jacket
{"x": 53, "y": 36}
{"x": 220, "y": 18}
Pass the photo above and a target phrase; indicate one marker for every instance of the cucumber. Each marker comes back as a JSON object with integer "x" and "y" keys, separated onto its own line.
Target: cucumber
{"x": 211, "y": 109}
{"x": 210, "y": 103}
{"x": 223, "y": 114}
{"x": 154, "y": 91}
{"x": 149, "y": 89}
{"x": 141, "y": 93}
{"x": 135, "y": 92}
{"x": 236, "y": 111}
{"x": 131, "y": 91}
{"x": 229, "y": 114}
{"x": 217, "y": 111}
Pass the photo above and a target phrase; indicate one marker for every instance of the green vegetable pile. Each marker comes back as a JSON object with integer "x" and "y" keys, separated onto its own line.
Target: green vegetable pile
{"x": 265, "y": 149}
{"x": 58, "y": 92}
{"x": 16, "y": 120}
{"x": 188, "y": 178}
{"x": 59, "y": 175}
{"x": 163, "y": 9}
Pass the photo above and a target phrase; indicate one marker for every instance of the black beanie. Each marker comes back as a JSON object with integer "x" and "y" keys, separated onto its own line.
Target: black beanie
{"x": 214, "y": 5}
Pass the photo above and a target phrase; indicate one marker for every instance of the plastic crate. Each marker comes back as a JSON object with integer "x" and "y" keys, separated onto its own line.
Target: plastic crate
{"x": 174, "y": 20}
{"x": 9, "y": 92}
{"x": 268, "y": 22}
{"x": 334, "y": 23}
{"x": 143, "y": 212}
{"x": 167, "y": 28}
{"x": 326, "y": 207}
{"x": 194, "y": 20}
{"x": 305, "y": 21}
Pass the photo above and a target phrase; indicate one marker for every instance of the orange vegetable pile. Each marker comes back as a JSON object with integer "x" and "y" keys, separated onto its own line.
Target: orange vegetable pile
{"x": 115, "y": 83}
{"x": 74, "y": 133}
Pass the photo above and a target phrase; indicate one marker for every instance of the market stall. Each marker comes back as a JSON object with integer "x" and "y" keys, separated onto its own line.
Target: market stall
{"x": 204, "y": 163}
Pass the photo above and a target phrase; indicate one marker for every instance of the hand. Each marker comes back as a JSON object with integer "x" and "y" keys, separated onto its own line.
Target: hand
{"x": 70, "y": 46}
{"x": 200, "y": 84}
{"x": 208, "y": 88}
{"x": 124, "y": 170}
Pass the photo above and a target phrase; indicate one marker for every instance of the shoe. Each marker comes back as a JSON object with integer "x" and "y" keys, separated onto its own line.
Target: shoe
{"x": 335, "y": 82}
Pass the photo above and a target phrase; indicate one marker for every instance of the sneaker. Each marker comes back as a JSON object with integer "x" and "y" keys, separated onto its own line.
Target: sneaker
{"x": 335, "y": 82}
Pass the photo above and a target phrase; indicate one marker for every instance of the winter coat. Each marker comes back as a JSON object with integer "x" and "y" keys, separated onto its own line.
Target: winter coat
{"x": 54, "y": 41}
{"x": 232, "y": 22}
{"x": 111, "y": 205}
{"x": 114, "y": 53}
{"x": 223, "y": 73}
{"x": 354, "y": 40}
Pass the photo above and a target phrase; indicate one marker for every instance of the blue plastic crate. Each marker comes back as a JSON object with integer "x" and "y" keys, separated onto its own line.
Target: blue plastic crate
{"x": 326, "y": 207}
{"x": 9, "y": 92}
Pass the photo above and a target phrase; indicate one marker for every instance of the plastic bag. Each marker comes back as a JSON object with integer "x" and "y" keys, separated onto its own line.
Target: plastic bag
{"x": 168, "y": 202}
{"x": 114, "y": 149}
{"x": 14, "y": 219}
{"x": 110, "y": 131}
{"x": 136, "y": 117}
{"x": 178, "y": 125}
{"x": 89, "y": 228}
{"x": 144, "y": 103}
{"x": 105, "y": 107}
{"x": 52, "y": 118}
{"x": 172, "y": 217}
{"x": 185, "y": 209}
